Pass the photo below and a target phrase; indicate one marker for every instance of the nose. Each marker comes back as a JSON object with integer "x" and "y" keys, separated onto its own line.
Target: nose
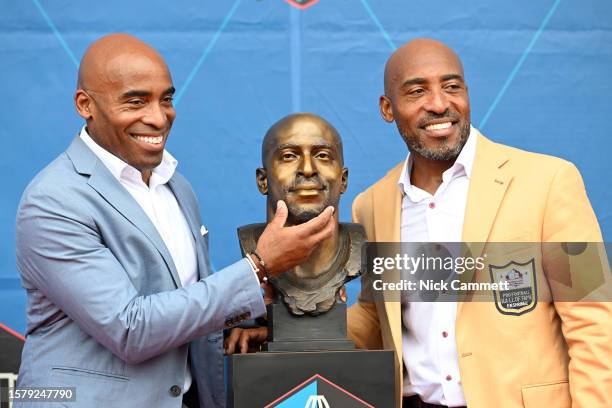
{"x": 307, "y": 167}
{"x": 156, "y": 116}
{"x": 437, "y": 102}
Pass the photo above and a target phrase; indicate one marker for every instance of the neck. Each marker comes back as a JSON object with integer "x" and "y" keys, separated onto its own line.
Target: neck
{"x": 426, "y": 174}
{"x": 146, "y": 176}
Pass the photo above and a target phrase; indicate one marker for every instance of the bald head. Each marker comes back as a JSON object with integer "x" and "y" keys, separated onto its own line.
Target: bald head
{"x": 417, "y": 52}
{"x": 303, "y": 166}
{"x": 106, "y": 57}
{"x": 427, "y": 98}
{"x": 290, "y": 124}
{"x": 124, "y": 93}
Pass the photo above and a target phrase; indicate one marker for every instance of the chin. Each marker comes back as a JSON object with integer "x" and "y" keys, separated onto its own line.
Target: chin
{"x": 302, "y": 215}
{"x": 151, "y": 164}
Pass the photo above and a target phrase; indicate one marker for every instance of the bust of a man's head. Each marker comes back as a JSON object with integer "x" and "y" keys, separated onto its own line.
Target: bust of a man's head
{"x": 303, "y": 165}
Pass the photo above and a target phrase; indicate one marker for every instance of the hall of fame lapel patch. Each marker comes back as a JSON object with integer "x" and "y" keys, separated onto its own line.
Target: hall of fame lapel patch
{"x": 518, "y": 293}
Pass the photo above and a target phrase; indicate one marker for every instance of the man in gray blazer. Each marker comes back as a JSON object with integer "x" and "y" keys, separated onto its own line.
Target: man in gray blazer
{"x": 122, "y": 304}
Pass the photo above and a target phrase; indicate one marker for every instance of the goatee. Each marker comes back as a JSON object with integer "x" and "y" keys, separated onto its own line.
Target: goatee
{"x": 445, "y": 152}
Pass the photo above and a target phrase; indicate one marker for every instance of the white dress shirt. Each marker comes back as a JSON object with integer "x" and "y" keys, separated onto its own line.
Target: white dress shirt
{"x": 160, "y": 205}
{"x": 428, "y": 328}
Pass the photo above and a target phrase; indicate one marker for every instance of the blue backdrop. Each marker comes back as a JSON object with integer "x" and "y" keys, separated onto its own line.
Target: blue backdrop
{"x": 538, "y": 72}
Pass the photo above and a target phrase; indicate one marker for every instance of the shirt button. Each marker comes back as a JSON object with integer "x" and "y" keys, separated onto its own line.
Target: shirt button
{"x": 432, "y": 205}
{"x": 444, "y": 334}
{"x": 448, "y": 377}
{"x": 175, "y": 390}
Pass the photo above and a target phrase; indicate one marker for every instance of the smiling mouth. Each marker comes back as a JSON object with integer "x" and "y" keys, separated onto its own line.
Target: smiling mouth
{"x": 153, "y": 140}
{"x": 439, "y": 126}
{"x": 307, "y": 188}
{"x": 307, "y": 191}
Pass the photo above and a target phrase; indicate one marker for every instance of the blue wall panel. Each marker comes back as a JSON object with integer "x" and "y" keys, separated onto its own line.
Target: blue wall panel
{"x": 539, "y": 77}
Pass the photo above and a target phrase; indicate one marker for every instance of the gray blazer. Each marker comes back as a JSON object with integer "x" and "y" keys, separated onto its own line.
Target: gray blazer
{"x": 106, "y": 311}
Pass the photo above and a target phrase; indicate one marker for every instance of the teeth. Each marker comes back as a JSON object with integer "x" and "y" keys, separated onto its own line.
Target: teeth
{"x": 438, "y": 126}
{"x": 151, "y": 140}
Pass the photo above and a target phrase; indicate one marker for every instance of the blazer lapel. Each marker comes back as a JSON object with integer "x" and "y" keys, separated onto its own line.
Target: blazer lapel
{"x": 184, "y": 201}
{"x": 101, "y": 180}
{"x": 489, "y": 182}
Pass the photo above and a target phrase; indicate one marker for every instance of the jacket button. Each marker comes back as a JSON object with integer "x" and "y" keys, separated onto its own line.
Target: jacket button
{"x": 175, "y": 390}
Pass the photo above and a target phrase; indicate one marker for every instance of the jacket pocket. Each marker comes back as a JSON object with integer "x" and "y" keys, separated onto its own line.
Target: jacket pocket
{"x": 83, "y": 372}
{"x": 550, "y": 395}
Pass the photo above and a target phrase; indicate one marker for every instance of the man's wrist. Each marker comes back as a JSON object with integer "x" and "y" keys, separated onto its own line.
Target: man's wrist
{"x": 257, "y": 266}
{"x": 263, "y": 266}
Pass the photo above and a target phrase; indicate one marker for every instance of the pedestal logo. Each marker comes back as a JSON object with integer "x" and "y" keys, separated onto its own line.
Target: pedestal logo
{"x": 318, "y": 392}
{"x": 302, "y": 4}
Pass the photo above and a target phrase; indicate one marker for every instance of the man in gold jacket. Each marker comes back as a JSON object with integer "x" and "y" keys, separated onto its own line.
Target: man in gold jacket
{"x": 559, "y": 354}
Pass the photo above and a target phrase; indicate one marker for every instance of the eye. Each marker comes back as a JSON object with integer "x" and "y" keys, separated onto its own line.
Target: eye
{"x": 135, "y": 102}
{"x": 453, "y": 87}
{"x": 168, "y": 100}
{"x": 323, "y": 155}
{"x": 288, "y": 156}
{"x": 416, "y": 92}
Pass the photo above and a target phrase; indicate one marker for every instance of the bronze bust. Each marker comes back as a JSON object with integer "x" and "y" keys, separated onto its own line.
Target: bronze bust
{"x": 303, "y": 165}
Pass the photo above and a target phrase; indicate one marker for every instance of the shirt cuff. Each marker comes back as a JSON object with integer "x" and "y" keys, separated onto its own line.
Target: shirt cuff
{"x": 254, "y": 271}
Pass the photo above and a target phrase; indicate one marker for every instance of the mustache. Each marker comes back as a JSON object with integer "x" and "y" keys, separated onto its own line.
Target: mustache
{"x": 447, "y": 114}
{"x": 313, "y": 182}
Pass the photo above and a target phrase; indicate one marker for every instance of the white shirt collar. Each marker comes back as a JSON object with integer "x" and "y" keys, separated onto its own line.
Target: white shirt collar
{"x": 120, "y": 169}
{"x": 463, "y": 164}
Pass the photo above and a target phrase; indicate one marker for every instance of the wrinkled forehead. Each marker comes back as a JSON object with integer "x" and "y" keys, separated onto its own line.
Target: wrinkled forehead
{"x": 425, "y": 63}
{"x": 131, "y": 70}
{"x": 304, "y": 134}
{"x": 432, "y": 60}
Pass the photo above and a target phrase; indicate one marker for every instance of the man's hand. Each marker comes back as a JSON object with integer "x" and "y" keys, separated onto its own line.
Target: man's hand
{"x": 282, "y": 247}
{"x": 243, "y": 338}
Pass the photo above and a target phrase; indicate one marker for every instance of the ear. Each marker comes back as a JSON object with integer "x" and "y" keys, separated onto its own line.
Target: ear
{"x": 386, "y": 110}
{"x": 261, "y": 177}
{"x": 344, "y": 180}
{"x": 83, "y": 104}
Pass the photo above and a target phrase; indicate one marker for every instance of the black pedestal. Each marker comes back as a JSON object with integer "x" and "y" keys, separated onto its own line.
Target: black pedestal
{"x": 326, "y": 331}
{"x": 344, "y": 379}
{"x": 308, "y": 362}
